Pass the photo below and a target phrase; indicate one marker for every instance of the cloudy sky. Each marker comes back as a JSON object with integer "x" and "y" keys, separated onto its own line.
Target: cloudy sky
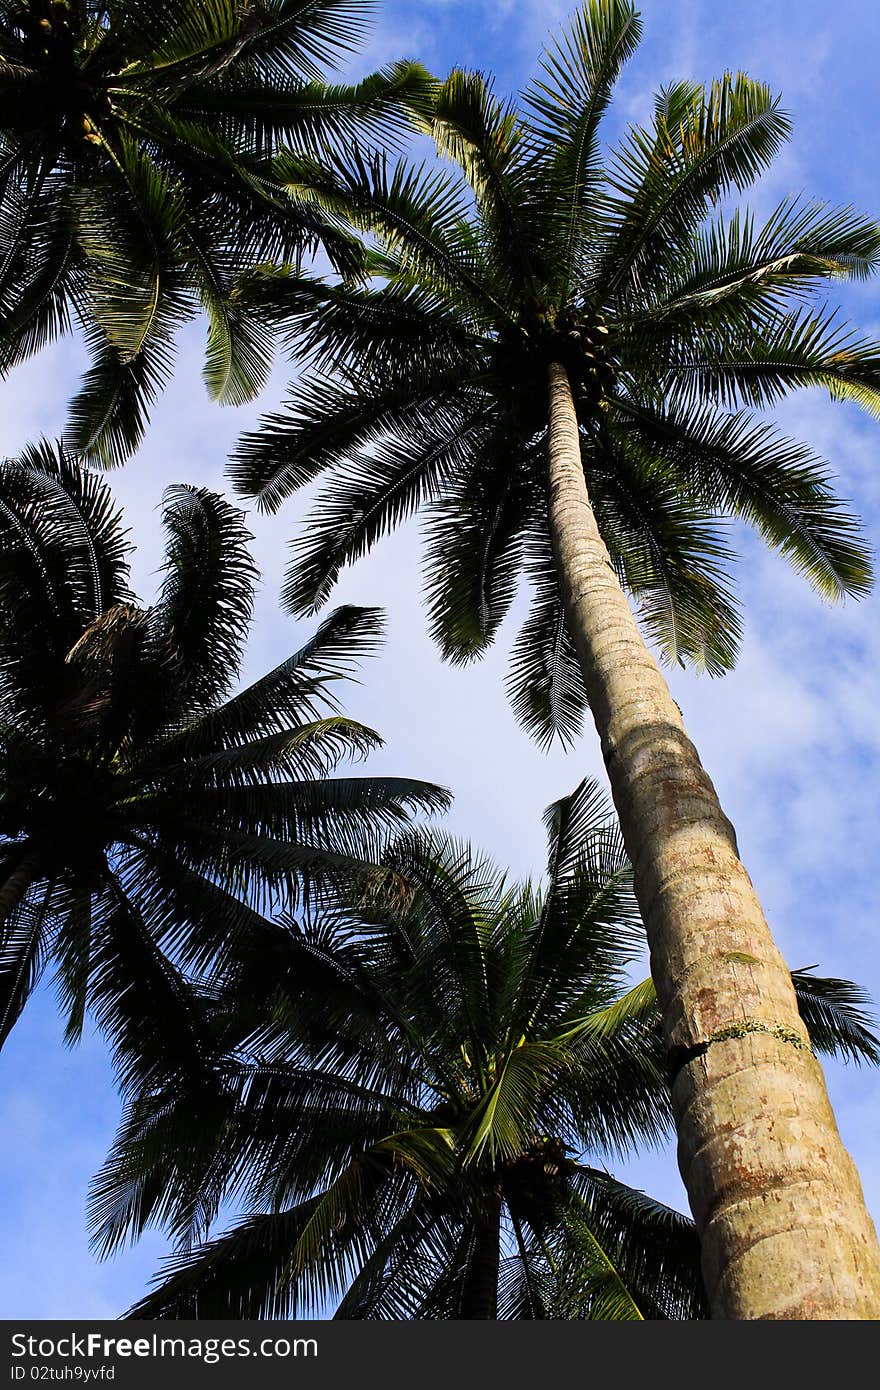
{"x": 791, "y": 739}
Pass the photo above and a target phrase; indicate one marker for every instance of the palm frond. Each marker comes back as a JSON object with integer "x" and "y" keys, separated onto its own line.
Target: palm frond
{"x": 63, "y": 533}
{"x": 544, "y": 682}
{"x": 798, "y": 349}
{"x": 703, "y": 144}
{"x": 733, "y": 270}
{"x": 484, "y": 138}
{"x": 733, "y": 464}
{"x": 837, "y": 1016}
{"x": 376, "y": 488}
{"x": 566, "y": 103}
{"x": 328, "y": 420}
{"x": 127, "y": 227}
{"x": 633, "y": 1258}
{"x": 207, "y": 594}
{"x": 308, "y": 116}
{"x": 420, "y": 216}
{"x": 25, "y": 944}
{"x": 473, "y": 546}
{"x": 298, "y": 690}
{"x": 275, "y": 1264}
{"x": 146, "y": 1008}
{"x": 109, "y": 413}
{"x": 670, "y": 553}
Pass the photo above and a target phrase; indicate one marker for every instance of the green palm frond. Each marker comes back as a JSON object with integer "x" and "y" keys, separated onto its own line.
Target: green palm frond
{"x": 329, "y": 324}
{"x": 331, "y": 420}
{"x": 72, "y": 949}
{"x": 703, "y": 145}
{"x": 207, "y": 595}
{"x": 419, "y": 215}
{"x": 511, "y": 1112}
{"x": 297, "y": 691}
{"x": 307, "y": 116}
{"x": 732, "y": 269}
{"x": 109, "y": 413}
{"x": 796, "y": 349}
{"x": 484, "y": 138}
{"x": 473, "y": 538}
{"x": 308, "y": 751}
{"x": 273, "y": 1264}
{"x": 638, "y": 1005}
{"x": 377, "y": 487}
{"x": 838, "y": 1017}
{"x": 587, "y": 912}
{"x": 256, "y": 1255}
{"x": 155, "y": 814}
{"x": 138, "y": 182}
{"x": 615, "y": 1273}
{"x": 63, "y": 557}
{"x": 577, "y": 824}
{"x": 670, "y": 553}
{"x": 731, "y": 464}
{"x": 566, "y": 102}
{"x": 544, "y": 682}
{"x": 127, "y": 228}
{"x": 144, "y": 1178}
{"x": 414, "y": 1085}
{"x": 395, "y": 1283}
{"x": 41, "y": 272}
{"x": 836, "y": 1014}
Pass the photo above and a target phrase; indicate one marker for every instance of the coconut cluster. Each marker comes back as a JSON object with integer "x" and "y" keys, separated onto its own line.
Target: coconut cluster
{"x": 50, "y": 40}
{"x": 520, "y": 359}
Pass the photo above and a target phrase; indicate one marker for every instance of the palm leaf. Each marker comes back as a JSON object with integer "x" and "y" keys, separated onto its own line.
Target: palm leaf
{"x": 702, "y": 145}
{"x": 25, "y": 944}
{"x": 566, "y": 103}
{"x": 627, "y": 1250}
{"x": 207, "y": 593}
{"x": 108, "y": 415}
{"x": 837, "y": 1016}
{"x": 473, "y": 547}
{"x": 376, "y": 489}
{"x": 732, "y": 464}
{"x": 544, "y": 683}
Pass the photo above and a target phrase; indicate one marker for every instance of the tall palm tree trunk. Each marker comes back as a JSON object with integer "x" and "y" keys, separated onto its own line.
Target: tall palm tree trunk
{"x": 479, "y": 1298}
{"x": 18, "y": 881}
{"x": 776, "y": 1198}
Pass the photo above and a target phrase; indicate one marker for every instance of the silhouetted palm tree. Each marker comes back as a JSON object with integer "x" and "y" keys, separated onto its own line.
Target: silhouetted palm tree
{"x": 136, "y": 144}
{"x": 146, "y": 814}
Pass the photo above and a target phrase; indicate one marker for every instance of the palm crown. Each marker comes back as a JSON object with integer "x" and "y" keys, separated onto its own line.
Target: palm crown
{"x": 539, "y": 248}
{"x": 411, "y": 1097}
{"x": 136, "y": 144}
{"x": 145, "y": 815}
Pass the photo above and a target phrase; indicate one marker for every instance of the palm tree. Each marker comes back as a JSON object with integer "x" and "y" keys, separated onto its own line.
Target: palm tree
{"x": 147, "y": 815}
{"x": 414, "y": 1099}
{"x": 136, "y": 140}
{"x": 559, "y": 366}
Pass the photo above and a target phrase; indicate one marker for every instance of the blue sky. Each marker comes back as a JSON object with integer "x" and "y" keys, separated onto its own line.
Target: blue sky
{"x": 791, "y": 739}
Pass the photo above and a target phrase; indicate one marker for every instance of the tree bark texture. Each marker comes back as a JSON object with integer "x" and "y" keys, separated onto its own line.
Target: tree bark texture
{"x": 479, "y": 1297}
{"x": 776, "y": 1198}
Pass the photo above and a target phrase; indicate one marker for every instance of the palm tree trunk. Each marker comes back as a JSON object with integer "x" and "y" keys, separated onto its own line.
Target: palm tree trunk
{"x": 18, "y": 881}
{"x": 479, "y": 1297}
{"x": 776, "y": 1198}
